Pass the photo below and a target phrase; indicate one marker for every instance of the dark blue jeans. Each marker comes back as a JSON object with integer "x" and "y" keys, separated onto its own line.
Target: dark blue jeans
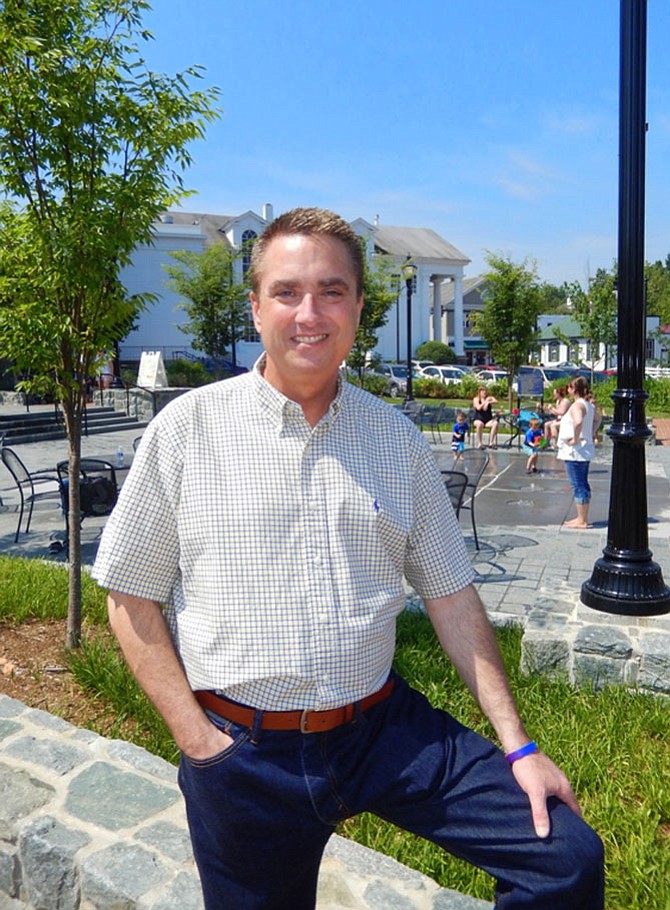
{"x": 261, "y": 812}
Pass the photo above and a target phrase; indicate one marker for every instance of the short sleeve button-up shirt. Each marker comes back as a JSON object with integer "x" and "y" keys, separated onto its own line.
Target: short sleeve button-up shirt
{"x": 278, "y": 550}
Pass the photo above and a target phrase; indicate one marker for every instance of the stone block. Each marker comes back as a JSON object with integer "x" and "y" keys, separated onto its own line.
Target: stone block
{"x": 118, "y": 876}
{"x": 606, "y": 641}
{"x": 169, "y": 839}
{"x": 597, "y": 672}
{"x": 51, "y": 753}
{"x": 381, "y": 896}
{"x": 183, "y": 893}
{"x": 47, "y": 849}
{"x": 142, "y": 760}
{"x": 115, "y": 799}
{"x": 20, "y": 794}
{"x": 542, "y": 653}
{"x": 8, "y": 728}
{"x": 10, "y": 707}
{"x": 10, "y": 870}
{"x": 654, "y": 671}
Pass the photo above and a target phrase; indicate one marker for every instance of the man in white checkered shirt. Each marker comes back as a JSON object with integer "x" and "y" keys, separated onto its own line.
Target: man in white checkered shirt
{"x": 256, "y": 561}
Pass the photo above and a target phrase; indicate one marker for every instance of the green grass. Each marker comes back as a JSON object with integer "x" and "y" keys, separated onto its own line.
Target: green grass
{"x": 39, "y": 590}
{"x": 613, "y": 744}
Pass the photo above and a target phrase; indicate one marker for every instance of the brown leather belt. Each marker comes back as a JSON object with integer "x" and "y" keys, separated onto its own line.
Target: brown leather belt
{"x": 305, "y": 721}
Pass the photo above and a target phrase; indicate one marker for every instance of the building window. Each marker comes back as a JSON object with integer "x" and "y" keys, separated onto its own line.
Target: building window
{"x": 248, "y": 238}
{"x": 649, "y": 349}
{"x": 248, "y": 331}
{"x": 554, "y": 350}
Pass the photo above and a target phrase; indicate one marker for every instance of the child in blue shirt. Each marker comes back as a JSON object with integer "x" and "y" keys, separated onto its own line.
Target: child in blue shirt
{"x": 458, "y": 433}
{"x": 532, "y": 444}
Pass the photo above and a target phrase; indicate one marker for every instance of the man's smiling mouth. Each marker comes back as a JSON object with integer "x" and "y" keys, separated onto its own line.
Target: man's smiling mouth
{"x": 309, "y": 339}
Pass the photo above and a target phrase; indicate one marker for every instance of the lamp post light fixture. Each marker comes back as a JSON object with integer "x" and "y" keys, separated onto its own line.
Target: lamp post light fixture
{"x": 625, "y": 580}
{"x": 409, "y": 274}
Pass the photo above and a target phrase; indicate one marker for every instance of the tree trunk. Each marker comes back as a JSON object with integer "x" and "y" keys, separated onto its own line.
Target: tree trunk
{"x": 73, "y": 410}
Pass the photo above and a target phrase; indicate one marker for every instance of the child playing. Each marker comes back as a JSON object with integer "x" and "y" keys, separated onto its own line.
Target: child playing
{"x": 458, "y": 432}
{"x": 532, "y": 444}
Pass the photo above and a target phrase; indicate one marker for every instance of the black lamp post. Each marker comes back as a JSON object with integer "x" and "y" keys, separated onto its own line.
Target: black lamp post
{"x": 409, "y": 273}
{"x": 625, "y": 580}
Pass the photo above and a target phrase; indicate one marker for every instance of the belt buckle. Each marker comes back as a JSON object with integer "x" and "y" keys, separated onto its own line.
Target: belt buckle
{"x": 303, "y": 721}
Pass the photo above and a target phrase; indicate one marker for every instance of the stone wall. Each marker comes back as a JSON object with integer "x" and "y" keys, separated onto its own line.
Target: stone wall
{"x": 88, "y": 823}
{"x": 594, "y": 649}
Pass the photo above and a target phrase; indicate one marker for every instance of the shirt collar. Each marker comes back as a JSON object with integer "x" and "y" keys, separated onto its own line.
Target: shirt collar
{"x": 281, "y": 409}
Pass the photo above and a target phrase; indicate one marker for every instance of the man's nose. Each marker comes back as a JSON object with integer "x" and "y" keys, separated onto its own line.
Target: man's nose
{"x": 308, "y": 309}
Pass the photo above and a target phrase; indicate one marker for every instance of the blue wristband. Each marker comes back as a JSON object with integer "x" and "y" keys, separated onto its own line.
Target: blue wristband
{"x": 528, "y": 749}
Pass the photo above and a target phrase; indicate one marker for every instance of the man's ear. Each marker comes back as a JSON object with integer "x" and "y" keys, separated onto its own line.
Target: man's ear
{"x": 361, "y": 301}
{"x": 255, "y": 311}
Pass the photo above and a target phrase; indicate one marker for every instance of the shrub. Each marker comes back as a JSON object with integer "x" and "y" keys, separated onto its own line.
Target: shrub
{"x": 432, "y": 388}
{"x": 187, "y": 373}
{"x": 437, "y": 351}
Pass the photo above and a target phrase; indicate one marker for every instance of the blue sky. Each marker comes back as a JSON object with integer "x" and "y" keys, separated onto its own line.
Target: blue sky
{"x": 493, "y": 123}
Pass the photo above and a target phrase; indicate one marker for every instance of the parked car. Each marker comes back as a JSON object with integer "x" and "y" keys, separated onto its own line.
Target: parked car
{"x": 396, "y": 376}
{"x": 420, "y": 364}
{"x": 444, "y": 373}
{"x": 490, "y": 374}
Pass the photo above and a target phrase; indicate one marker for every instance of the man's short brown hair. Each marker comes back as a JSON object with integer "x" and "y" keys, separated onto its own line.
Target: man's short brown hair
{"x": 314, "y": 222}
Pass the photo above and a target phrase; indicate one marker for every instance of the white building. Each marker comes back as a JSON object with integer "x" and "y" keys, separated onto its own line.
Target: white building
{"x": 562, "y": 339}
{"x": 439, "y": 265}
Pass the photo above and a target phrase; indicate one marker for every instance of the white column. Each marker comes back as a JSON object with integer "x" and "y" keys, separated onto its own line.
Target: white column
{"x": 458, "y": 316}
{"x": 437, "y": 309}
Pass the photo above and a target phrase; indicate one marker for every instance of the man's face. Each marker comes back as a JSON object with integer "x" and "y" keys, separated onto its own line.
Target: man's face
{"x": 306, "y": 311}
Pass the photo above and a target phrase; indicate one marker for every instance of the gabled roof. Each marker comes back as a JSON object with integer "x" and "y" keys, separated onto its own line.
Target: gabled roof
{"x": 212, "y": 226}
{"x": 567, "y": 326}
{"x": 419, "y": 243}
{"x": 448, "y": 289}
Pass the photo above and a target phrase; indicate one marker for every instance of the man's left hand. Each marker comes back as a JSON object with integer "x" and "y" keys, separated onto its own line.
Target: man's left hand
{"x": 539, "y": 778}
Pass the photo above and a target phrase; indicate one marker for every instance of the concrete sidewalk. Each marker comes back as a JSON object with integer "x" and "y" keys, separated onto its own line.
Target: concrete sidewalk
{"x": 526, "y": 556}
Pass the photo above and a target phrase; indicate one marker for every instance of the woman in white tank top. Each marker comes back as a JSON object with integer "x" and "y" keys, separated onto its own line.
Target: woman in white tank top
{"x": 576, "y": 447}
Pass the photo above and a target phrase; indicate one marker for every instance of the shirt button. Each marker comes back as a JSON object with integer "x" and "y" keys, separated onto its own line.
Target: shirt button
{"x": 317, "y": 560}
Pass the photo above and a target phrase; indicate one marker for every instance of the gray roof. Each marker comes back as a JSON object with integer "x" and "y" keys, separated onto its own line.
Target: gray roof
{"x": 469, "y": 284}
{"x": 212, "y": 226}
{"x": 420, "y": 243}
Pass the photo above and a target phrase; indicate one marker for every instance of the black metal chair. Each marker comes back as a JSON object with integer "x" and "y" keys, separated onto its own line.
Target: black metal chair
{"x": 473, "y": 463}
{"x": 98, "y": 491}
{"x": 414, "y": 412}
{"x": 456, "y": 483}
{"x": 433, "y": 418}
{"x": 27, "y": 483}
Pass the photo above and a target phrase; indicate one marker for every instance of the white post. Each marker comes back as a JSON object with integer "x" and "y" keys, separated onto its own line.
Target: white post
{"x": 437, "y": 309}
{"x": 458, "y": 317}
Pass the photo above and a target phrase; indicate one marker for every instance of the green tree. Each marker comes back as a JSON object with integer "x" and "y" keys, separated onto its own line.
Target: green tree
{"x": 596, "y": 311}
{"x": 554, "y": 299}
{"x": 381, "y": 285}
{"x": 217, "y": 305}
{"x": 657, "y": 281}
{"x": 512, "y": 304}
{"x": 92, "y": 148}
{"x": 437, "y": 351}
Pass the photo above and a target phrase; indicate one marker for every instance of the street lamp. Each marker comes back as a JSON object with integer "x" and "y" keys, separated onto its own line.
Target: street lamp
{"x": 409, "y": 274}
{"x": 625, "y": 580}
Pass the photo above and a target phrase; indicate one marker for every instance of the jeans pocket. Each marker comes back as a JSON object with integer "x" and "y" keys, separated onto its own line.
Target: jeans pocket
{"x": 240, "y": 735}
